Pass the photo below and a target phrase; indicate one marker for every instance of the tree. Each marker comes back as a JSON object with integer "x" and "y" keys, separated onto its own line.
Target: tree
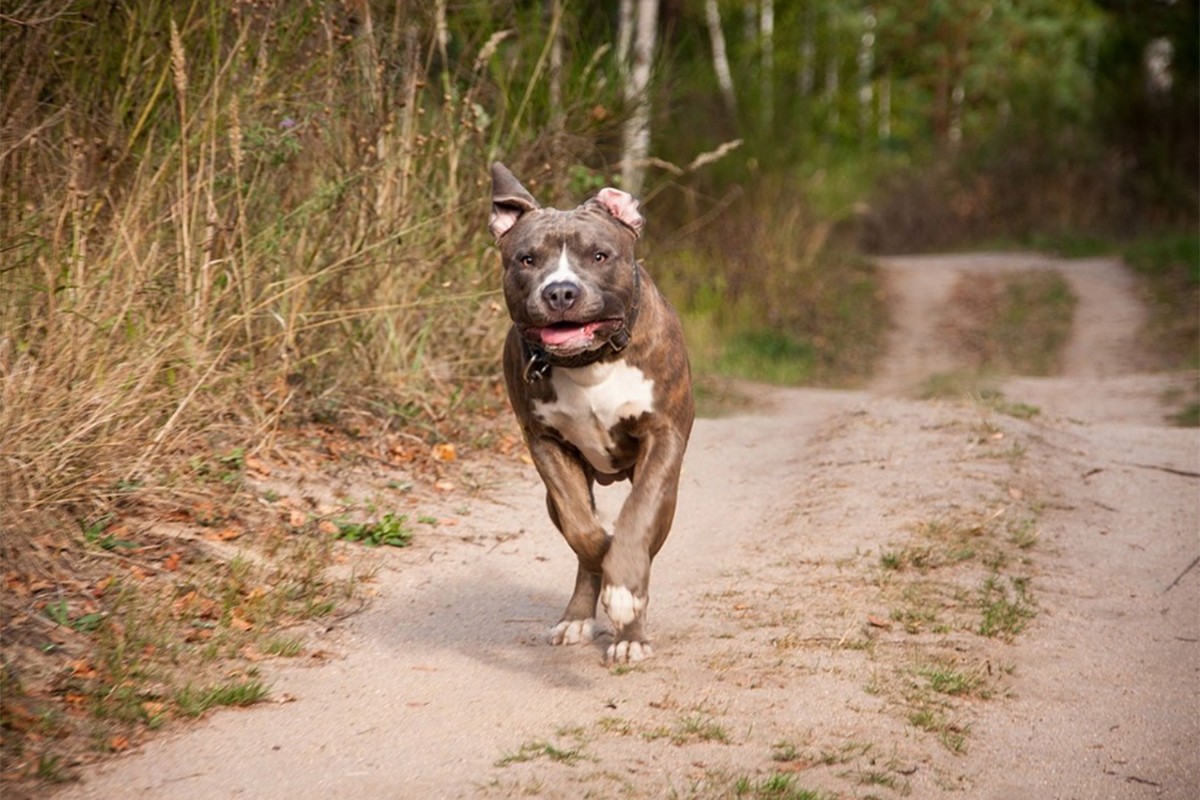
{"x": 635, "y": 138}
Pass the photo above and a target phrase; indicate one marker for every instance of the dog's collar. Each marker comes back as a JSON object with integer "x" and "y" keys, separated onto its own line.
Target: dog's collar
{"x": 539, "y": 361}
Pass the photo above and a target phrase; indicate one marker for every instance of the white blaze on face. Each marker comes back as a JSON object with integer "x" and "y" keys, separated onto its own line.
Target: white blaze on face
{"x": 562, "y": 272}
{"x": 590, "y": 401}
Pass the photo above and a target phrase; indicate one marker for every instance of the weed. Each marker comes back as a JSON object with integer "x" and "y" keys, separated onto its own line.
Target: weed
{"x": 773, "y": 787}
{"x": 785, "y": 752}
{"x": 847, "y": 752}
{"x": 1005, "y": 609}
{"x": 616, "y": 725}
{"x": 952, "y": 735}
{"x": 945, "y": 679}
{"x": 698, "y": 728}
{"x": 389, "y": 530}
{"x": 286, "y": 647}
{"x": 540, "y": 749}
{"x": 50, "y": 769}
{"x": 193, "y": 702}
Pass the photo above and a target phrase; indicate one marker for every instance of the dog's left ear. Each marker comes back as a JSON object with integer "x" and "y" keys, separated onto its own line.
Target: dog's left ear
{"x": 623, "y": 206}
{"x": 510, "y": 200}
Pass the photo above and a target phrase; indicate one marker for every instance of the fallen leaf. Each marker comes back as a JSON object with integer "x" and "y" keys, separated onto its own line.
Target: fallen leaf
{"x": 171, "y": 562}
{"x": 255, "y": 464}
{"x": 443, "y": 451}
{"x": 75, "y": 699}
{"x": 153, "y": 708}
{"x": 228, "y": 534}
{"x": 240, "y": 623}
{"x": 297, "y": 518}
{"x": 444, "y": 486}
{"x": 118, "y": 743}
{"x": 878, "y": 622}
{"x": 328, "y": 528}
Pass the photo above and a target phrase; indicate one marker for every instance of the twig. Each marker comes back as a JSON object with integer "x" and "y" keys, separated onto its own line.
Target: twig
{"x": 1179, "y": 577}
{"x": 1184, "y": 472}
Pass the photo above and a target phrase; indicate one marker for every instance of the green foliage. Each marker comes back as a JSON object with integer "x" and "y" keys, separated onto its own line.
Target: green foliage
{"x": 390, "y": 530}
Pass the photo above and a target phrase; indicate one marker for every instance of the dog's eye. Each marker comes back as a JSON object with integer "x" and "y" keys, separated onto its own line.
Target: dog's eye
{"x": 525, "y": 260}
{"x": 600, "y": 256}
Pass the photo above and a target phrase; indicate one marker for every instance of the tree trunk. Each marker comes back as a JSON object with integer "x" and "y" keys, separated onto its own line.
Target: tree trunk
{"x": 712, "y": 14}
{"x": 866, "y": 68}
{"x": 625, "y": 24}
{"x": 554, "y": 10}
{"x": 766, "y": 32}
{"x": 635, "y": 139}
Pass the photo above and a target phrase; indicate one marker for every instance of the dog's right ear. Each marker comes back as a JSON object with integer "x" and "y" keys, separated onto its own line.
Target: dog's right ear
{"x": 509, "y": 200}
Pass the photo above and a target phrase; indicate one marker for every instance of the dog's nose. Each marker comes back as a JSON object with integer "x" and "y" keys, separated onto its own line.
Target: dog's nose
{"x": 561, "y": 295}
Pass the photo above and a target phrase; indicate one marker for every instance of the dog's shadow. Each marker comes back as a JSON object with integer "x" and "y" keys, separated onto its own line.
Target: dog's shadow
{"x": 497, "y": 621}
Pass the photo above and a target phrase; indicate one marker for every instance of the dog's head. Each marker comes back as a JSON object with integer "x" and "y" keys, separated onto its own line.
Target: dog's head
{"x": 570, "y": 279}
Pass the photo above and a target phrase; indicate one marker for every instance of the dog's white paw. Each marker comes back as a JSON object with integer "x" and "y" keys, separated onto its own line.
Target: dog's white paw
{"x": 573, "y": 631}
{"x": 628, "y": 652}
{"x": 621, "y": 605}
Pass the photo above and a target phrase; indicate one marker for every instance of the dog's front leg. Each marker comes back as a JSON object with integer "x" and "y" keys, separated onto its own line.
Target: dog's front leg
{"x": 572, "y": 508}
{"x": 640, "y": 531}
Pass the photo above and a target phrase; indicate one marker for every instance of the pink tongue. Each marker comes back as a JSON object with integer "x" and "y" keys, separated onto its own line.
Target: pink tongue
{"x": 564, "y": 335}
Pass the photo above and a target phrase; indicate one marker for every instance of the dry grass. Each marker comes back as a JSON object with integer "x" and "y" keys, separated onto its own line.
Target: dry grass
{"x": 219, "y": 222}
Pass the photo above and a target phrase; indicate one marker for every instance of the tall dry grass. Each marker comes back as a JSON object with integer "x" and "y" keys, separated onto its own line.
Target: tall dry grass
{"x": 215, "y": 214}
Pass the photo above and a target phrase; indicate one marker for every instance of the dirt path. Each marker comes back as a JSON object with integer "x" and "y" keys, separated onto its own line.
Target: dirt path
{"x": 835, "y": 559}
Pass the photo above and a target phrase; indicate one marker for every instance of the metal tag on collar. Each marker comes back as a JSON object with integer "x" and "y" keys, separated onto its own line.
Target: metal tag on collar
{"x": 536, "y": 368}
{"x": 619, "y": 340}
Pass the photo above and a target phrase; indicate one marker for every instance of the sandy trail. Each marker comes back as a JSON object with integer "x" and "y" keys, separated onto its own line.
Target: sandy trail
{"x": 775, "y": 651}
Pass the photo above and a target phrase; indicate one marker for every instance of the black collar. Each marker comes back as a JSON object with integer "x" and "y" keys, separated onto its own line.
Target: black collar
{"x": 538, "y": 361}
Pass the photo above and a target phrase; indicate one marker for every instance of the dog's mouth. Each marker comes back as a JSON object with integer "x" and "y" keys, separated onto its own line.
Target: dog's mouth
{"x": 573, "y": 336}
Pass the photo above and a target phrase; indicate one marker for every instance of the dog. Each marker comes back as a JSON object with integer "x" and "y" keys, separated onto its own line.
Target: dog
{"x": 599, "y": 380}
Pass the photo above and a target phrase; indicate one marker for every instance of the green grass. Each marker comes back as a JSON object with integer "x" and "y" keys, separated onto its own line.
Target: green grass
{"x": 776, "y": 786}
{"x": 1005, "y": 609}
{"x": 686, "y": 730}
{"x": 769, "y": 356}
{"x": 531, "y": 751}
{"x": 193, "y": 702}
{"x": 949, "y": 680}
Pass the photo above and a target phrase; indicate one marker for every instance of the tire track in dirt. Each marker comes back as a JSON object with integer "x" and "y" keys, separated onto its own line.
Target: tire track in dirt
{"x": 770, "y": 614}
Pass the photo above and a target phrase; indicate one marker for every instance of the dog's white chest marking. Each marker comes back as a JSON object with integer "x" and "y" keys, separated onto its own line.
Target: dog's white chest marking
{"x": 590, "y": 401}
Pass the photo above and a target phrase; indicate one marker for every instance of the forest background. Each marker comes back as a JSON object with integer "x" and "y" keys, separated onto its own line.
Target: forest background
{"x": 217, "y": 214}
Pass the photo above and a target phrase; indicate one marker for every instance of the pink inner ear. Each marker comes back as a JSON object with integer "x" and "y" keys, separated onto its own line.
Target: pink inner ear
{"x": 501, "y": 219}
{"x": 621, "y": 205}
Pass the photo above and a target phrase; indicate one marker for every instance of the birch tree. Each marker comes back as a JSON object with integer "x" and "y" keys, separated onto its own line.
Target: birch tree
{"x": 635, "y": 137}
{"x": 712, "y": 15}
